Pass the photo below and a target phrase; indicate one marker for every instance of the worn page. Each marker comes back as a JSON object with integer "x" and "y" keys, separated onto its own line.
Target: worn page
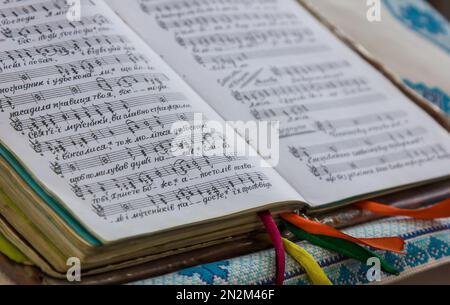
{"x": 345, "y": 130}
{"x": 90, "y": 111}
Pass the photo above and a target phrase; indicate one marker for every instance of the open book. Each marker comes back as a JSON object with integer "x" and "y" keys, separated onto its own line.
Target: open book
{"x": 90, "y": 93}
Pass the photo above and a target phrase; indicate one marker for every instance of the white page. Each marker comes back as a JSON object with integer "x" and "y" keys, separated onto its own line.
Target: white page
{"x": 345, "y": 129}
{"x": 88, "y": 108}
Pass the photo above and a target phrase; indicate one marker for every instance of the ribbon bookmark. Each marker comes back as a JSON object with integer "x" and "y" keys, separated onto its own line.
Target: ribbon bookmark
{"x": 439, "y": 210}
{"x": 392, "y": 244}
{"x": 307, "y": 261}
{"x": 341, "y": 246}
{"x": 277, "y": 242}
{"x": 315, "y": 273}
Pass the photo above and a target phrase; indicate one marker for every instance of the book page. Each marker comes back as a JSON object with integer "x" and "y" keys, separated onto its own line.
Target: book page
{"x": 89, "y": 110}
{"x": 345, "y": 130}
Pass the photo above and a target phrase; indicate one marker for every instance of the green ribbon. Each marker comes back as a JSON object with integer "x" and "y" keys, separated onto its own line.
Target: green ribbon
{"x": 341, "y": 246}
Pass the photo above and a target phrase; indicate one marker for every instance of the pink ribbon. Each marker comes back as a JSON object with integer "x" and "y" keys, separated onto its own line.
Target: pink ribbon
{"x": 277, "y": 242}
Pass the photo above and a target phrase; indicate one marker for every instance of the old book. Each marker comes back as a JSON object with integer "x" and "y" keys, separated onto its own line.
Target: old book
{"x": 117, "y": 138}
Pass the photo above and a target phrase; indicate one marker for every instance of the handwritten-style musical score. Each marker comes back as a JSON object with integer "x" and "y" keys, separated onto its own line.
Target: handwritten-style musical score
{"x": 201, "y": 20}
{"x": 62, "y": 48}
{"x": 96, "y": 108}
{"x": 98, "y": 84}
{"x": 52, "y": 27}
{"x": 180, "y": 167}
{"x": 74, "y": 68}
{"x": 187, "y": 194}
{"x": 332, "y": 106}
{"x": 251, "y": 95}
{"x": 242, "y": 39}
{"x": 82, "y": 112}
{"x": 38, "y": 9}
{"x": 400, "y": 159}
{"x": 83, "y": 139}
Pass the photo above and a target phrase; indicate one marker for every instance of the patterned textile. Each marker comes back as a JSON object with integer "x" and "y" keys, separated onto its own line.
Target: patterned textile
{"x": 435, "y": 95}
{"x": 420, "y": 17}
{"x": 427, "y": 244}
{"x": 412, "y": 40}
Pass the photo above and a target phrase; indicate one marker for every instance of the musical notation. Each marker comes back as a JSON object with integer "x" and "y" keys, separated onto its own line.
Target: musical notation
{"x": 45, "y": 7}
{"x": 180, "y": 5}
{"x": 52, "y": 27}
{"x": 417, "y": 155}
{"x": 368, "y": 141}
{"x": 301, "y": 70}
{"x": 180, "y": 167}
{"x": 292, "y": 70}
{"x": 62, "y": 48}
{"x": 333, "y": 125}
{"x": 128, "y": 127}
{"x": 187, "y": 193}
{"x": 107, "y": 121}
{"x": 291, "y": 112}
{"x": 219, "y": 19}
{"x": 74, "y": 68}
{"x": 317, "y": 87}
{"x": 89, "y": 112}
{"x": 247, "y": 38}
{"x": 162, "y": 147}
{"x": 232, "y": 59}
{"x": 100, "y": 83}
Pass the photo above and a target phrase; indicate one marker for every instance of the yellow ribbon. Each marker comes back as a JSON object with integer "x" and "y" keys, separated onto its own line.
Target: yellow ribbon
{"x": 307, "y": 261}
{"x": 315, "y": 274}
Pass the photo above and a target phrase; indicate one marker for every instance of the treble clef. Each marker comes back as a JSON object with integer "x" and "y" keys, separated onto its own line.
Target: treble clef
{"x": 56, "y": 167}
{"x": 99, "y": 210}
{"x": 36, "y": 146}
{"x": 17, "y": 124}
{"x": 6, "y": 32}
{"x": 77, "y": 190}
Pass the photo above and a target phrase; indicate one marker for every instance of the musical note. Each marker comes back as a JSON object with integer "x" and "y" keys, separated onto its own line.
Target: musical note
{"x": 100, "y": 83}
{"x": 254, "y": 95}
{"x": 343, "y": 145}
{"x": 203, "y": 20}
{"x": 178, "y": 168}
{"x": 63, "y": 48}
{"x": 246, "y": 39}
{"x": 74, "y": 67}
{"x": 129, "y": 126}
{"x": 38, "y": 9}
{"x": 187, "y": 193}
{"x": 52, "y": 27}
{"x": 91, "y": 111}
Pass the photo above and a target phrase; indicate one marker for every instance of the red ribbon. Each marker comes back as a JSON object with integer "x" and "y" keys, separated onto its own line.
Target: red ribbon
{"x": 393, "y": 244}
{"x": 275, "y": 237}
{"x": 439, "y": 210}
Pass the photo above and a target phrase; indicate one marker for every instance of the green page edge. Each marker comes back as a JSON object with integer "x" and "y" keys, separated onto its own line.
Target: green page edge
{"x": 58, "y": 208}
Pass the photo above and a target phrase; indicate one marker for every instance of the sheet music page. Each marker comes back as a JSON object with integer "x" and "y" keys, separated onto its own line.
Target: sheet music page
{"x": 345, "y": 130}
{"x": 89, "y": 109}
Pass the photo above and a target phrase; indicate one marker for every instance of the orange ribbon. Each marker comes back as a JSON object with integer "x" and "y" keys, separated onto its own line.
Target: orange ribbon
{"x": 393, "y": 244}
{"x": 439, "y": 210}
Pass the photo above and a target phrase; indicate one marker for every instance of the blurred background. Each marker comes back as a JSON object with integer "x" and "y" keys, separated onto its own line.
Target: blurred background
{"x": 443, "y": 6}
